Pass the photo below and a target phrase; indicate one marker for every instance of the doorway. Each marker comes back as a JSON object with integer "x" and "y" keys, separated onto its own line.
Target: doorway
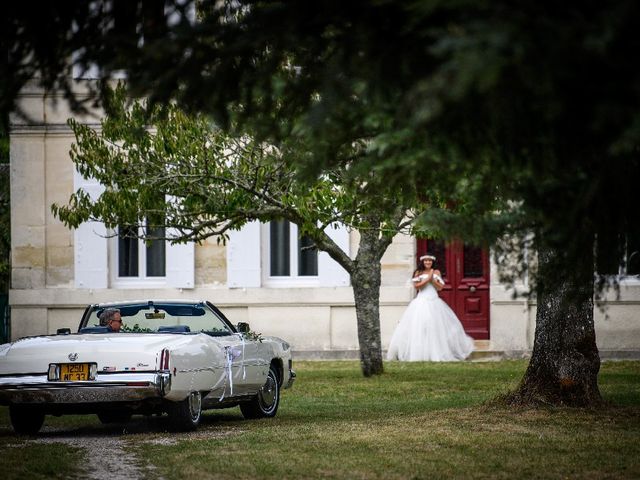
{"x": 465, "y": 271}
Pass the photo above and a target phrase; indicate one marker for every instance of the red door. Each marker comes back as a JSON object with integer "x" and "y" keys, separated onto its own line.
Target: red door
{"x": 465, "y": 270}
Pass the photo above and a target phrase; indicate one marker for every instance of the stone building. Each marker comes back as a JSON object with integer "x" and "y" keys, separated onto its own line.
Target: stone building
{"x": 257, "y": 277}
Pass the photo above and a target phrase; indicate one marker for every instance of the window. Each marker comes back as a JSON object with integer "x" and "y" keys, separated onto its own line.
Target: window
{"x": 137, "y": 259}
{"x": 279, "y": 248}
{"x": 98, "y": 262}
{"x": 610, "y": 250}
{"x": 291, "y": 258}
{"x": 128, "y": 252}
{"x": 272, "y": 255}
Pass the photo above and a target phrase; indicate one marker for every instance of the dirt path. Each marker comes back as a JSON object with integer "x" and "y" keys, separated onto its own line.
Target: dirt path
{"x": 106, "y": 456}
{"x": 109, "y": 451}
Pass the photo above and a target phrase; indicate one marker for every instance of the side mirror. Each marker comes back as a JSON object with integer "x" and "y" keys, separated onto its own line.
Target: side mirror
{"x": 63, "y": 331}
{"x": 243, "y": 327}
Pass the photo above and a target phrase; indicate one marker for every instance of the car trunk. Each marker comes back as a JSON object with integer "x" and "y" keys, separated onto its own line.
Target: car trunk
{"x": 111, "y": 352}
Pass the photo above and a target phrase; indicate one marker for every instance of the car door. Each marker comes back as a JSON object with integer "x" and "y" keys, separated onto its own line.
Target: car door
{"x": 245, "y": 365}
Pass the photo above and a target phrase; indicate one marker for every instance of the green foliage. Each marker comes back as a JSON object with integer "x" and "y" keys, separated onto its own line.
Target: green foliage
{"x": 493, "y": 105}
{"x": 180, "y": 171}
{"x": 484, "y": 101}
{"x": 467, "y": 103}
{"x": 254, "y": 336}
{"x": 537, "y": 102}
{"x": 135, "y": 329}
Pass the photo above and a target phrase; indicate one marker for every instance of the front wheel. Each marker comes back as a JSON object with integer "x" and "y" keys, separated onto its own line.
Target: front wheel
{"x": 184, "y": 416}
{"x": 265, "y": 403}
{"x": 26, "y": 420}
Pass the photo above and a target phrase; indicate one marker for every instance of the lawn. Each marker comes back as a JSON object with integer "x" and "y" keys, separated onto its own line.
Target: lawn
{"x": 418, "y": 420}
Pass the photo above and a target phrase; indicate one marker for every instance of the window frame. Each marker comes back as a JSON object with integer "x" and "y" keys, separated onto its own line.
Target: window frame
{"x": 292, "y": 280}
{"x": 142, "y": 280}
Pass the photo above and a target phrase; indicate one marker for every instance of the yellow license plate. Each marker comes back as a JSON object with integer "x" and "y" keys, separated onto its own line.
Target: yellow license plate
{"x": 74, "y": 372}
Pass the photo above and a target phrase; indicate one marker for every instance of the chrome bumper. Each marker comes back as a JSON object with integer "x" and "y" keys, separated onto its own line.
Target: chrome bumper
{"x": 105, "y": 388}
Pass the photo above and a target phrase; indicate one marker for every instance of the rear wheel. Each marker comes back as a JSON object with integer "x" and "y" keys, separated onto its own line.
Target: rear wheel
{"x": 185, "y": 416}
{"x": 25, "y": 419}
{"x": 265, "y": 403}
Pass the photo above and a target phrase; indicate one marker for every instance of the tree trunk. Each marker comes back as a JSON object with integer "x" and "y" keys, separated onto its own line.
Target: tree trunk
{"x": 366, "y": 277}
{"x": 366, "y": 292}
{"x": 365, "y": 272}
{"x": 565, "y": 362}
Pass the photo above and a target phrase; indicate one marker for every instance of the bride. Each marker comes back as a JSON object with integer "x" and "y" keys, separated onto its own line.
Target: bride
{"x": 429, "y": 330}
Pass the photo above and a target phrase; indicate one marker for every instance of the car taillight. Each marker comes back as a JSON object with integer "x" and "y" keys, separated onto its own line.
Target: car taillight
{"x": 164, "y": 359}
{"x": 54, "y": 372}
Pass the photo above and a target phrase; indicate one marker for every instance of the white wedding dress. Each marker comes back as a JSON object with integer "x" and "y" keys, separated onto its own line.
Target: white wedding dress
{"x": 429, "y": 331}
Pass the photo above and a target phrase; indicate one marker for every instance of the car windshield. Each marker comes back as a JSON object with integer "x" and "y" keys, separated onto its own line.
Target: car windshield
{"x": 164, "y": 318}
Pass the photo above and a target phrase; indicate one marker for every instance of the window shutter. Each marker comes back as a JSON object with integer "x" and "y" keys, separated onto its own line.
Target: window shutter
{"x": 180, "y": 263}
{"x": 90, "y": 243}
{"x": 330, "y": 272}
{"x": 243, "y": 256}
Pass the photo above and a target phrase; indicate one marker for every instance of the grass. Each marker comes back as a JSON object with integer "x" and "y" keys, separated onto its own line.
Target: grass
{"x": 418, "y": 420}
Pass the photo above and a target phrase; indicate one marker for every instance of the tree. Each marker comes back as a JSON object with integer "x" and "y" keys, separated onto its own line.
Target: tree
{"x": 185, "y": 176}
{"x": 75, "y": 33}
{"x": 538, "y": 101}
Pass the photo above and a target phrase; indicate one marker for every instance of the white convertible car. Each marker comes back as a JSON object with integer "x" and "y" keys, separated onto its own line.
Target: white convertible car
{"x": 174, "y": 357}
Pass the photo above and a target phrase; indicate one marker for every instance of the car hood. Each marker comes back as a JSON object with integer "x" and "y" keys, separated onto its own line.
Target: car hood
{"x": 111, "y": 351}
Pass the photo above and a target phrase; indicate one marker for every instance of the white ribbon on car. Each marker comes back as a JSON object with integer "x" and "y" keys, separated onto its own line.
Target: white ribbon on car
{"x": 229, "y": 355}
{"x": 228, "y": 372}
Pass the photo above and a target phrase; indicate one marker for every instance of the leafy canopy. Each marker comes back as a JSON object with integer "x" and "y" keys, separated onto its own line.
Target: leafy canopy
{"x": 162, "y": 167}
{"x": 535, "y": 102}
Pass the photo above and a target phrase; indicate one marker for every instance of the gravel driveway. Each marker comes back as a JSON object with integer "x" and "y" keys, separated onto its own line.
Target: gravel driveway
{"x": 117, "y": 459}
{"x": 116, "y": 463}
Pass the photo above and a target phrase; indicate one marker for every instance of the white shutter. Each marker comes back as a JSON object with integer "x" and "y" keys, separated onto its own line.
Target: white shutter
{"x": 330, "y": 272}
{"x": 180, "y": 263}
{"x": 90, "y": 243}
{"x": 243, "y": 257}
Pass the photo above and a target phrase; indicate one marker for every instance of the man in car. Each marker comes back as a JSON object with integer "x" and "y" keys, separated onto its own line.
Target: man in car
{"x": 111, "y": 319}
